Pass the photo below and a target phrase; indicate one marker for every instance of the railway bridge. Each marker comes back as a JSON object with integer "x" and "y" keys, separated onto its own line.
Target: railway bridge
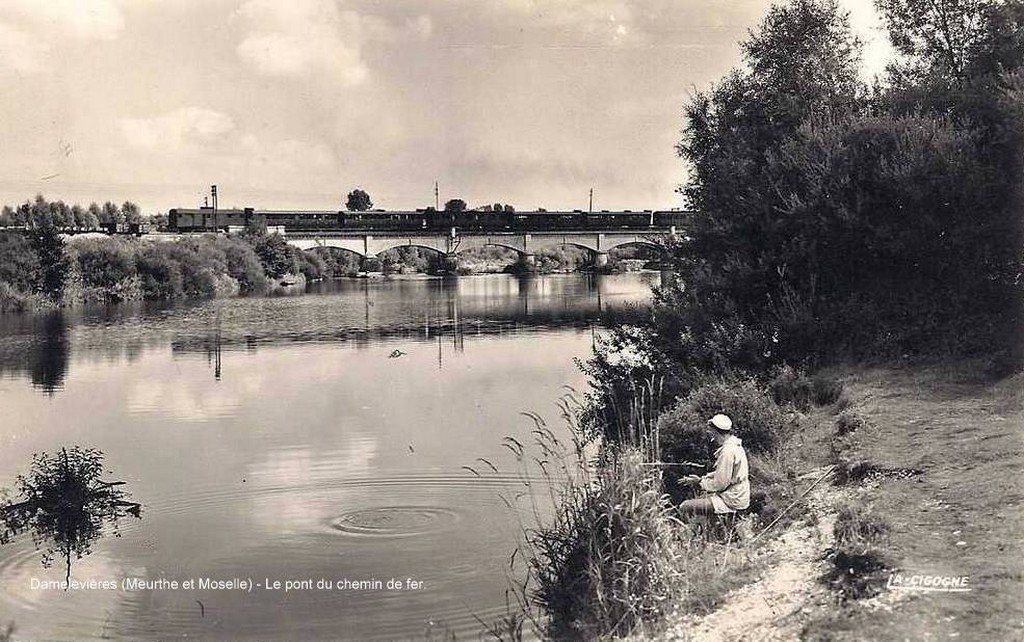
{"x": 525, "y": 244}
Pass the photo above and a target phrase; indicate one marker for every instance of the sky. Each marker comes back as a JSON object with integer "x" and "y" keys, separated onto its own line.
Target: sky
{"x": 293, "y": 103}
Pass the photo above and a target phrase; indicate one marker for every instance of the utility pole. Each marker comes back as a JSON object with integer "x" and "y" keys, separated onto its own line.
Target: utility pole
{"x": 437, "y": 197}
{"x": 591, "y": 209}
{"x": 213, "y": 198}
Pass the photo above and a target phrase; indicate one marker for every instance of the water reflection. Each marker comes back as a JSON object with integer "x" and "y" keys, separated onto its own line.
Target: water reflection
{"x": 39, "y": 347}
{"x": 65, "y": 506}
{"x": 435, "y": 311}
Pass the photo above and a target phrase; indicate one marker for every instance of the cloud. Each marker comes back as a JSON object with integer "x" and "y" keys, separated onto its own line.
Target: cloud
{"x": 20, "y": 51}
{"x": 303, "y": 37}
{"x": 180, "y": 129}
{"x": 29, "y": 28}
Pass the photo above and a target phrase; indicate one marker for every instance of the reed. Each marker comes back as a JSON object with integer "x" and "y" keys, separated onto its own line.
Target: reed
{"x": 601, "y": 552}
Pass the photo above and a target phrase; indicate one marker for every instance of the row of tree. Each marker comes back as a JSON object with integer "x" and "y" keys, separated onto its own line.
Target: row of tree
{"x": 43, "y": 213}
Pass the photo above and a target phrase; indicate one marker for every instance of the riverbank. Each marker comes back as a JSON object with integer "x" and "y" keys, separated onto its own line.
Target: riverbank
{"x": 939, "y": 454}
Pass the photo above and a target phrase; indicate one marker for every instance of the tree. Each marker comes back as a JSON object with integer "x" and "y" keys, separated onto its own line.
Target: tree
{"x": 54, "y": 264}
{"x": 935, "y": 35}
{"x": 274, "y": 253}
{"x": 131, "y": 212}
{"x": 455, "y": 206}
{"x": 95, "y": 213}
{"x": 78, "y": 216}
{"x": 800, "y": 65}
{"x": 111, "y": 214}
{"x": 358, "y": 201}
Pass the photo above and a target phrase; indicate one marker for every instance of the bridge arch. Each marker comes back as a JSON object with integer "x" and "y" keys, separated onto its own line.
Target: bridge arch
{"x": 476, "y": 246}
{"x": 416, "y": 246}
{"x": 354, "y": 245}
{"x": 636, "y": 242}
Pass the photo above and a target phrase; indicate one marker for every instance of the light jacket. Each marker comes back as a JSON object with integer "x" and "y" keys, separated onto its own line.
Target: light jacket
{"x": 728, "y": 485}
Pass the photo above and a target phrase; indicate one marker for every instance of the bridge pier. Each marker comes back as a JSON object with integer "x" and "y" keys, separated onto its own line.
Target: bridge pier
{"x": 528, "y": 259}
{"x": 450, "y": 263}
{"x": 600, "y": 259}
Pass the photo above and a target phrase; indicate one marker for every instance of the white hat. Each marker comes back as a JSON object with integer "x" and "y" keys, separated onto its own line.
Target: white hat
{"x": 721, "y": 422}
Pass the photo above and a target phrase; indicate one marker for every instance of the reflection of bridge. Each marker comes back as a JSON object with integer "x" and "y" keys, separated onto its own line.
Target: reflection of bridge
{"x": 526, "y": 244}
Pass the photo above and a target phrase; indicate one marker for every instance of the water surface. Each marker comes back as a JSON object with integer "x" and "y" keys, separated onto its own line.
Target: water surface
{"x": 322, "y": 436}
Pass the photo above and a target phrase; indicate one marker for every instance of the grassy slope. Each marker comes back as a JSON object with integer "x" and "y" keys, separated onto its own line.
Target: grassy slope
{"x": 962, "y": 516}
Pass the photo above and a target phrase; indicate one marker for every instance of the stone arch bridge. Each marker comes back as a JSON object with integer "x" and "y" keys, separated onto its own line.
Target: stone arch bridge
{"x": 525, "y": 244}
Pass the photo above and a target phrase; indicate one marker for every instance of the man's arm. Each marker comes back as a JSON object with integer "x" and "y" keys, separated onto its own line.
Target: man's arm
{"x": 721, "y": 478}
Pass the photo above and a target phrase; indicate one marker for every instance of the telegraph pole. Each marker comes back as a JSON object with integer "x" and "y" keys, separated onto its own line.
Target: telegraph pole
{"x": 591, "y": 209}
{"x": 213, "y": 198}
{"x": 437, "y": 197}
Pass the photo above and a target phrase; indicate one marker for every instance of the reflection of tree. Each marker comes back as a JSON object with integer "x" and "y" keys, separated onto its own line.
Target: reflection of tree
{"x": 48, "y": 362}
{"x": 65, "y": 506}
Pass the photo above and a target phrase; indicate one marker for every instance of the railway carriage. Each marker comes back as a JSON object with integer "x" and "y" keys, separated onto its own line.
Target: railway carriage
{"x": 208, "y": 219}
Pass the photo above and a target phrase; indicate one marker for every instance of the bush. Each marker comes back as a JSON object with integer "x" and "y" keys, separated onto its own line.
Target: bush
{"x": 274, "y": 253}
{"x": 826, "y": 390}
{"x": 160, "y": 272}
{"x": 243, "y": 265}
{"x": 19, "y": 263}
{"x": 757, "y": 420}
{"x": 107, "y": 269}
{"x": 859, "y": 565}
{"x": 789, "y": 386}
{"x": 309, "y": 264}
{"x": 847, "y": 422}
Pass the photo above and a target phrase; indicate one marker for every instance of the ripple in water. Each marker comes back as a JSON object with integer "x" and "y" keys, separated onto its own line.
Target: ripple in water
{"x": 395, "y": 521}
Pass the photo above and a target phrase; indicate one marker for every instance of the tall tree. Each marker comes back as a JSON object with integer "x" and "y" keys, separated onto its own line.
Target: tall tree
{"x": 54, "y": 265}
{"x": 358, "y": 201}
{"x": 131, "y": 212}
{"x": 455, "y": 206}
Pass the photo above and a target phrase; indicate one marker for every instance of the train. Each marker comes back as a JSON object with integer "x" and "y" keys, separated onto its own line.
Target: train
{"x": 208, "y": 219}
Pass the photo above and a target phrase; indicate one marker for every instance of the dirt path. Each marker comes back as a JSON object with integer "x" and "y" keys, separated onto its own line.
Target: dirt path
{"x": 771, "y": 607}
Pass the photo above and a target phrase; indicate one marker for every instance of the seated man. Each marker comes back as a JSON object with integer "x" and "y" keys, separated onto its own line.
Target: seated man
{"x": 728, "y": 489}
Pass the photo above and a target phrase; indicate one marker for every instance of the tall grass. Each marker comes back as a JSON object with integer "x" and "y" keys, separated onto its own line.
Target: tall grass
{"x": 602, "y": 553}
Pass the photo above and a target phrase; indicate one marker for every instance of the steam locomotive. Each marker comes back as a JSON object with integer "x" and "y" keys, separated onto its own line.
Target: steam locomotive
{"x": 207, "y": 219}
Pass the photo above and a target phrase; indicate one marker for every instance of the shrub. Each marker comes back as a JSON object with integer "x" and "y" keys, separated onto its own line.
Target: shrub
{"x": 847, "y": 422}
{"x": 756, "y": 420}
{"x": 19, "y": 263}
{"x": 160, "y": 272}
{"x": 12, "y": 299}
{"x": 107, "y": 269}
{"x": 825, "y": 390}
{"x": 275, "y": 254}
{"x": 244, "y": 265}
{"x": 197, "y": 279}
{"x": 859, "y": 565}
{"x": 309, "y": 264}
{"x": 788, "y": 386}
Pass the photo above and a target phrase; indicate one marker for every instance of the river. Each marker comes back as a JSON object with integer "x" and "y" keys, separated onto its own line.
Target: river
{"x": 333, "y": 436}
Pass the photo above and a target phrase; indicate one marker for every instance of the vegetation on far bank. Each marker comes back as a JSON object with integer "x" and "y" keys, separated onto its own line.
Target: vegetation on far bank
{"x": 42, "y": 266}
